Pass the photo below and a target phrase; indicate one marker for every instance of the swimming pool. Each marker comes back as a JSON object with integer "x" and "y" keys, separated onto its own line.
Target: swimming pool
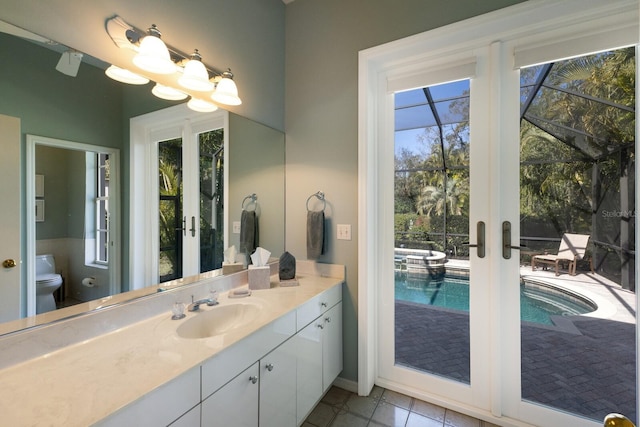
{"x": 538, "y": 302}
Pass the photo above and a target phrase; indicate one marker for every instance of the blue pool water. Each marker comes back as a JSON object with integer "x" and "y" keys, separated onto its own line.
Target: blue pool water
{"x": 536, "y": 303}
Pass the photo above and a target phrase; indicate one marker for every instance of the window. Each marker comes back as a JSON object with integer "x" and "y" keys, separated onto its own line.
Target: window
{"x": 97, "y": 220}
{"x": 102, "y": 209}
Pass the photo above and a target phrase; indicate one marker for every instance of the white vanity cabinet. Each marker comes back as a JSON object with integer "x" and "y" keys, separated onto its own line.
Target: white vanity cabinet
{"x": 162, "y": 406}
{"x": 278, "y": 386}
{"x": 264, "y": 394}
{"x": 235, "y": 404}
{"x": 319, "y": 349}
{"x": 300, "y": 356}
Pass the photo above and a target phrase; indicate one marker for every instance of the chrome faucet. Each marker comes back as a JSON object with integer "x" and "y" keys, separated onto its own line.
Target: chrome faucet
{"x": 195, "y": 305}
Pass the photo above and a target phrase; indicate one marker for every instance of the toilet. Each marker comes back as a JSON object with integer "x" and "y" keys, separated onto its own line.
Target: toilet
{"x": 47, "y": 281}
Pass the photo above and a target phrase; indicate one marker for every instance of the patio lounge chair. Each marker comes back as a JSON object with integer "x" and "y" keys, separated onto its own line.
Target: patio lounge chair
{"x": 572, "y": 248}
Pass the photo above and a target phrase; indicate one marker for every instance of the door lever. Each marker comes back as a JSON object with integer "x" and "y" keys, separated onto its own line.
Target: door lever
{"x": 506, "y": 240}
{"x": 480, "y": 228}
{"x": 193, "y": 226}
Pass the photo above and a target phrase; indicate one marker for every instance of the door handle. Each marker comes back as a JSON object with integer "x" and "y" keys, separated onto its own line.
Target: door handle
{"x": 506, "y": 240}
{"x": 193, "y": 226}
{"x": 480, "y": 232}
{"x": 9, "y": 263}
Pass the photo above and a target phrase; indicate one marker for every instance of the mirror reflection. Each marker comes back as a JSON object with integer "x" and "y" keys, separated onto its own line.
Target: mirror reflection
{"x": 76, "y": 241}
{"x": 93, "y": 109}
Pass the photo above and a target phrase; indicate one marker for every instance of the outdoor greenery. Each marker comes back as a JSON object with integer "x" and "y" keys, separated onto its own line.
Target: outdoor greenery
{"x": 577, "y": 154}
{"x": 211, "y": 204}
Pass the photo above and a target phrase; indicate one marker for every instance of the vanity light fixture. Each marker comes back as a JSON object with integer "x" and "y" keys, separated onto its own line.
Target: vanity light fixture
{"x": 181, "y": 70}
{"x": 168, "y": 93}
{"x": 125, "y": 76}
{"x": 153, "y": 55}
{"x": 226, "y": 90}
{"x": 195, "y": 76}
{"x": 201, "y": 106}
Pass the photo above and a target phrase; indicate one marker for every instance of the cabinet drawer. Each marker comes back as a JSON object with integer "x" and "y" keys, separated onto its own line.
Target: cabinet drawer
{"x": 221, "y": 368}
{"x": 317, "y": 305}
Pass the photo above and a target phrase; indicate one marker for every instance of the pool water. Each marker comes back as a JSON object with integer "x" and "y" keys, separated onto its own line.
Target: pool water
{"x": 536, "y": 304}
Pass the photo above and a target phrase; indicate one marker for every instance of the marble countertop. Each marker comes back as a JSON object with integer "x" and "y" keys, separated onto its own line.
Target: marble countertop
{"x": 83, "y": 383}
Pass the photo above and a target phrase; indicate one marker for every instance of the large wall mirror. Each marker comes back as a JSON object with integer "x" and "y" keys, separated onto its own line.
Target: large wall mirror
{"x": 93, "y": 110}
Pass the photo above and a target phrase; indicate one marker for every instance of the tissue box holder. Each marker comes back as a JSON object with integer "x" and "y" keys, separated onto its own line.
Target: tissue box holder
{"x": 259, "y": 277}
{"x": 231, "y": 267}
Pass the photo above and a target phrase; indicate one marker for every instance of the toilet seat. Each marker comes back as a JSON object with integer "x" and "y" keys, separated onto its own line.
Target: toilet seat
{"x": 48, "y": 279}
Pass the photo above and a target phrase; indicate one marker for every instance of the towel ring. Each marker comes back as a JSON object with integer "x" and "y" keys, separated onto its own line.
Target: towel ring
{"x": 252, "y": 199}
{"x": 320, "y": 196}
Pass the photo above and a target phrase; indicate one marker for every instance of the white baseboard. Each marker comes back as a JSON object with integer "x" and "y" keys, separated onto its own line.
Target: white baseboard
{"x": 345, "y": 384}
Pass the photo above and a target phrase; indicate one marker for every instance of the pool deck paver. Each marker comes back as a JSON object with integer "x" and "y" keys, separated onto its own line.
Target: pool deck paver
{"x": 588, "y": 369}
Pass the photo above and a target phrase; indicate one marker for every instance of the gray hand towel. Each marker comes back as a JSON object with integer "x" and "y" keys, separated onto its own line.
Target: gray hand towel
{"x": 248, "y": 232}
{"x": 315, "y": 234}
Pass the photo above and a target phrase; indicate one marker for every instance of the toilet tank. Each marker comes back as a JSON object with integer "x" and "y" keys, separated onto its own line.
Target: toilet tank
{"x": 45, "y": 264}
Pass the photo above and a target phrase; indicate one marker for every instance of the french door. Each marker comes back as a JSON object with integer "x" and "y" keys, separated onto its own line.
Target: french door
{"x": 180, "y": 156}
{"x": 491, "y": 54}
{"x": 191, "y": 194}
{"x": 432, "y": 325}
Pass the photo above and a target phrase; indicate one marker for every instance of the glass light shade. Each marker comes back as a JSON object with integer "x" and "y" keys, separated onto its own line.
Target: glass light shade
{"x": 153, "y": 56}
{"x": 168, "y": 93}
{"x": 201, "y": 106}
{"x": 226, "y": 92}
{"x": 125, "y": 76}
{"x": 195, "y": 77}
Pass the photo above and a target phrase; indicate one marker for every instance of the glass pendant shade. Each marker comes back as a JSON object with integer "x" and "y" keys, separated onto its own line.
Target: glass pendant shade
{"x": 195, "y": 75}
{"x": 168, "y": 93}
{"x": 153, "y": 56}
{"x": 125, "y": 76}
{"x": 226, "y": 92}
{"x": 201, "y": 106}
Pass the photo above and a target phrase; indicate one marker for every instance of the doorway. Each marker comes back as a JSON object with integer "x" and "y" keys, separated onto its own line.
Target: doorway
{"x": 73, "y": 213}
{"x": 490, "y": 46}
{"x": 181, "y": 155}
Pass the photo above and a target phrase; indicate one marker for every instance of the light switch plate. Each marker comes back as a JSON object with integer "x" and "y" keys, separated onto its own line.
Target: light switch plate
{"x": 236, "y": 227}
{"x": 344, "y": 232}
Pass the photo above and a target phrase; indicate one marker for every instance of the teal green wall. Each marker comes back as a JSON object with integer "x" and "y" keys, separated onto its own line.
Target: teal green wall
{"x": 88, "y": 108}
{"x": 323, "y": 38}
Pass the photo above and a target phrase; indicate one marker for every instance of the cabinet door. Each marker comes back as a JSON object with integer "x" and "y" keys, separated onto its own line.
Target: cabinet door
{"x": 190, "y": 419}
{"x": 308, "y": 344}
{"x": 278, "y": 387}
{"x": 332, "y": 345}
{"x": 235, "y": 404}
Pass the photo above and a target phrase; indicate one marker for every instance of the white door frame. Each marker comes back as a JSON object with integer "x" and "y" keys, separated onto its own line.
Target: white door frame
{"x": 146, "y": 131}
{"x": 518, "y": 35}
{"x": 114, "y": 264}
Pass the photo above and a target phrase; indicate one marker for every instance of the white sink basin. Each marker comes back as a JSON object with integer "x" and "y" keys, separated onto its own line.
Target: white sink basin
{"x": 218, "y": 320}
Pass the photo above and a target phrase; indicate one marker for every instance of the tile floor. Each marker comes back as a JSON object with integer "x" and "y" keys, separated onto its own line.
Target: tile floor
{"x": 383, "y": 408}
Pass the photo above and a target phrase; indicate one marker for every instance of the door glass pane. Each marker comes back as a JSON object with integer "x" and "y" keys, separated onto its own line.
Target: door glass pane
{"x": 170, "y": 204}
{"x": 431, "y": 227}
{"x": 577, "y": 213}
{"x": 211, "y": 148}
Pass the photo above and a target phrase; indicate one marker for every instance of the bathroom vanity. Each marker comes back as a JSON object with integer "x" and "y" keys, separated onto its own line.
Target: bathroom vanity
{"x": 265, "y": 359}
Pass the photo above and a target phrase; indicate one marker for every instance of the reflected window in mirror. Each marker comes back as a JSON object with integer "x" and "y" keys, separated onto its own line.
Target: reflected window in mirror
{"x": 102, "y": 209}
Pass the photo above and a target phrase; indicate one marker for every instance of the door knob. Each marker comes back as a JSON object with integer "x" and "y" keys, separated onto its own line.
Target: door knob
{"x": 9, "y": 263}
